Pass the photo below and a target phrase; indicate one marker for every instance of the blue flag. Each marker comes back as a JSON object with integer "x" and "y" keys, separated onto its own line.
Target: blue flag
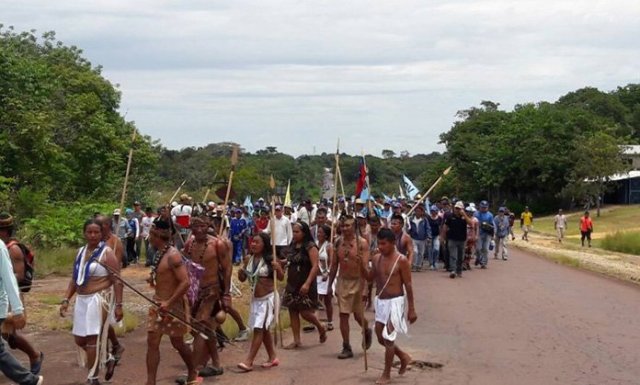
{"x": 409, "y": 187}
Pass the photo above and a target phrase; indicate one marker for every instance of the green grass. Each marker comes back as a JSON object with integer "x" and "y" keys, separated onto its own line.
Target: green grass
{"x": 624, "y": 242}
{"x": 612, "y": 219}
{"x": 57, "y": 261}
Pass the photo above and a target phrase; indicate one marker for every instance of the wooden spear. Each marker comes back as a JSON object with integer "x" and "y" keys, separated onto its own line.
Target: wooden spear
{"x": 234, "y": 162}
{"x": 272, "y": 229}
{"x": 206, "y": 195}
{"x": 444, "y": 173}
{"x": 126, "y": 175}
{"x": 175, "y": 194}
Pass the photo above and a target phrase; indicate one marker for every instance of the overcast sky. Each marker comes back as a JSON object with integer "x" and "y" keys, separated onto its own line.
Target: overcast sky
{"x": 298, "y": 74}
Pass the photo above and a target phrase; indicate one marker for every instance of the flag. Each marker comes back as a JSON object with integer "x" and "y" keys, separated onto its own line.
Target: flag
{"x": 363, "y": 180}
{"x": 401, "y": 196}
{"x": 409, "y": 187}
{"x": 287, "y": 196}
{"x": 386, "y": 198}
{"x": 249, "y": 205}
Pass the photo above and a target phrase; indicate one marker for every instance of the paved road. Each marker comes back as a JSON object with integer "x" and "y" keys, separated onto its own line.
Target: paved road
{"x": 525, "y": 321}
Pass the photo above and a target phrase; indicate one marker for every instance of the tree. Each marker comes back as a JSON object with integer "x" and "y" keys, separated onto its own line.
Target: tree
{"x": 388, "y": 154}
{"x": 598, "y": 157}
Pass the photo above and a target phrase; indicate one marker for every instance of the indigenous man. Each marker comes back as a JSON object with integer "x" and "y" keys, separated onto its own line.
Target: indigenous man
{"x": 116, "y": 245}
{"x": 352, "y": 253}
{"x": 214, "y": 293}
{"x": 526, "y": 222}
{"x": 171, "y": 281}
{"x": 392, "y": 273}
{"x": 403, "y": 240}
{"x": 9, "y": 332}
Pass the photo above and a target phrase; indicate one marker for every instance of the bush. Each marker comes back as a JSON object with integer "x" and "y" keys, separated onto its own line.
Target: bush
{"x": 625, "y": 242}
{"x": 60, "y": 224}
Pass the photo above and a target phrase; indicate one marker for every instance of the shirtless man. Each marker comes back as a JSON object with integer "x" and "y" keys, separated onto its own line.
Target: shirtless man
{"x": 170, "y": 279}
{"x": 404, "y": 244}
{"x": 352, "y": 256}
{"x": 211, "y": 253}
{"x": 116, "y": 245}
{"x": 392, "y": 274}
{"x": 9, "y": 331}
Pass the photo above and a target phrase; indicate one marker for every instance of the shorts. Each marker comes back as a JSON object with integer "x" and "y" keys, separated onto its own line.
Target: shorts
{"x": 349, "y": 293}
{"x": 322, "y": 285}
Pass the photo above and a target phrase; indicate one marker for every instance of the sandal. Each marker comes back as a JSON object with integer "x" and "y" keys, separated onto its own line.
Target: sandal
{"x": 271, "y": 364}
{"x": 329, "y": 326}
{"x": 197, "y": 381}
{"x": 244, "y": 367}
{"x": 292, "y": 346}
{"x": 323, "y": 336}
{"x": 110, "y": 368}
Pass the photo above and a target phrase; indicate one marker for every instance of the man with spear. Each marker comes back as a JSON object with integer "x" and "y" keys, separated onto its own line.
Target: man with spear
{"x": 170, "y": 280}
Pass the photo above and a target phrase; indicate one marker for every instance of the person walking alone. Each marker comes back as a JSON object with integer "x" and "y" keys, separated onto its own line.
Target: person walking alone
{"x": 560, "y": 225}
{"x": 586, "y": 228}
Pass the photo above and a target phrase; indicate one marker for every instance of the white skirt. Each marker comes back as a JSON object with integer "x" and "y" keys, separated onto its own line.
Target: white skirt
{"x": 87, "y": 315}
{"x": 322, "y": 285}
{"x": 390, "y": 313}
{"x": 262, "y": 312}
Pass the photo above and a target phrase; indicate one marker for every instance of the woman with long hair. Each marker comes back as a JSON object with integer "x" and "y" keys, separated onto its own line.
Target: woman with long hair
{"x": 99, "y": 298}
{"x": 301, "y": 294}
{"x": 325, "y": 254}
{"x": 259, "y": 269}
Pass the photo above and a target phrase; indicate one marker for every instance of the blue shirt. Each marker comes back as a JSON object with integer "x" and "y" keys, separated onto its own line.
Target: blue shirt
{"x": 484, "y": 217}
{"x": 501, "y": 225}
{"x": 238, "y": 226}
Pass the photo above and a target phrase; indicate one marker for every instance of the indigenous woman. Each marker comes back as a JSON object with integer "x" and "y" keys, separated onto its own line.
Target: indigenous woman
{"x": 301, "y": 295}
{"x": 258, "y": 269}
{"x": 325, "y": 253}
{"x": 93, "y": 278}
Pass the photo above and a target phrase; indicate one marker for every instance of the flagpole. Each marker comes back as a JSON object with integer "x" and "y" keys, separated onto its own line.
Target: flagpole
{"x": 206, "y": 195}
{"x": 366, "y": 170}
{"x": 444, "y": 173}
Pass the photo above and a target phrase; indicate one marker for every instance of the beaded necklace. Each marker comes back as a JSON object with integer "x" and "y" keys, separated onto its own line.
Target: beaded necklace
{"x": 156, "y": 262}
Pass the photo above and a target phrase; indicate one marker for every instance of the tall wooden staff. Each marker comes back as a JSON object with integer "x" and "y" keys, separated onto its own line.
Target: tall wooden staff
{"x": 234, "y": 162}
{"x": 175, "y": 194}
{"x": 364, "y": 329}
{"x": 126, "y": 175}
{"x": 444, "y": 173}
{"x": 272, "y": 229}
{"x": 334, "y": 214}
{"x": 206, "y": 195}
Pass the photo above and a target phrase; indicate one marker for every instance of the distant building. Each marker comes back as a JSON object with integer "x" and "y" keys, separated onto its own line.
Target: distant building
{"x": 627, "y": 186}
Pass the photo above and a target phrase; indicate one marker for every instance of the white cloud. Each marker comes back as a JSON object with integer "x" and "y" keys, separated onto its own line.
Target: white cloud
{"x": 299, "y": 74}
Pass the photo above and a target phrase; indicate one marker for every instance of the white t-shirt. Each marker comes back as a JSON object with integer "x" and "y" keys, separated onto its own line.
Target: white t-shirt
{"x": 561, "y": 221}
{"x": 146, "y": 224}
{"x": 282, "y": 229}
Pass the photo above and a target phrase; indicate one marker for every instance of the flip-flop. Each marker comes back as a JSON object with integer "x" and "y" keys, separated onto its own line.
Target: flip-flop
{"x": 210, "y": 371}
{"x": 245, "y": 369}
{"x": 271, "y": 364}
{"x": 292, "y": 346}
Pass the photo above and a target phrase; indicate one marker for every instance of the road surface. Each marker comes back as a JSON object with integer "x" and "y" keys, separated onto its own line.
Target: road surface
{"x": 524, "y": 321}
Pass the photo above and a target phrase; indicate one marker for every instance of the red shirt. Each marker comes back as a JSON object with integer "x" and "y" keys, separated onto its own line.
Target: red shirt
{"x": 586, "y": 224}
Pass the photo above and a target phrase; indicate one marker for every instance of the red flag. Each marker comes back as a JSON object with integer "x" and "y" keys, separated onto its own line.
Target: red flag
{"x": 361, "y": 183}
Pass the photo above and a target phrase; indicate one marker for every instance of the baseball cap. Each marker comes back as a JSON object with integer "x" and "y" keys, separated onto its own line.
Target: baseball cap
{"x": 459, "y": 205}
{"x": 116, "y": 212}
{"x": 484, "y": 204}
{"x": 434, "y": 208}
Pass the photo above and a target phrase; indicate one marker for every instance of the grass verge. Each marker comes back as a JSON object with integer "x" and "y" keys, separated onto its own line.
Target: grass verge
{"x": 624, "y": 242}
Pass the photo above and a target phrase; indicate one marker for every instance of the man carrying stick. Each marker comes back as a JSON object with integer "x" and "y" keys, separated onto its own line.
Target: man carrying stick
{"x": 352, "y": 255}
{"x": 170, "y": 279}
{"x": 392, "y": 274}
{"x": 214, "y": 293}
